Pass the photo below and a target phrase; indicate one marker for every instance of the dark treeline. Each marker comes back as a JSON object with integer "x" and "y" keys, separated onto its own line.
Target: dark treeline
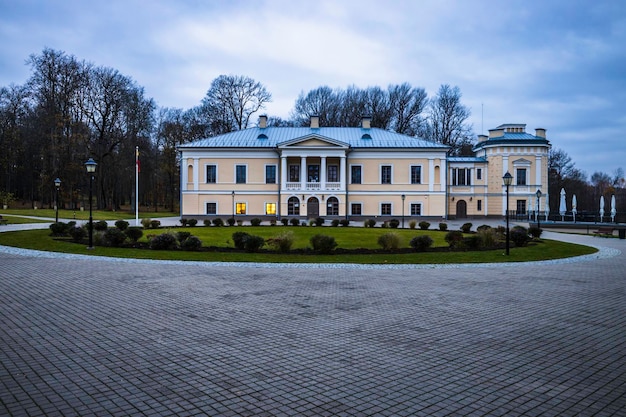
{"x": 71, "y": 110}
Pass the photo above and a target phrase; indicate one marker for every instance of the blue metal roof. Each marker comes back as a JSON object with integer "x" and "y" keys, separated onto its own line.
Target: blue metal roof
{"x": 271, "y": 137}
{"x": 512, "y": 138}
{"x": 466, "y": 159}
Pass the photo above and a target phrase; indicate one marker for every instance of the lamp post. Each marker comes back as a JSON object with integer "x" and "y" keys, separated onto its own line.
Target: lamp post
{"x": 91, "y": 168}
{"x": 403, "y": 197}
{"x": 538, "y": 194}
{"x": 507, "y": 179}
{"x": 57, "y": 185}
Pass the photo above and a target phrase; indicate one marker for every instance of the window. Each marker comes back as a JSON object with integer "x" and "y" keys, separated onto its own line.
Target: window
{"x": 416, "y": 209}
{"x": 211, "y": 174}
{"x": 270, "y": 208}
{"x": 270, "y": 174}
{"x": 385, "y": 209}
{"x": 313, "y": 172}
{"x": 461, "y": 176}
{"x": 479, "y": 205}
{"x": 294, "y": 173}
{"x": 240, "y": 174}
{"x": 355, "y": 208}
{"x": 479, "y": 173}
{"x": 521, "y": 176}
{"x": 293, "y": 206}
{"x": 211, "y": 208}
{"x": 356, "y": 174}
{"x": 241, "y": 208}
{"x": 416, "y": 174}
{"x": 521, "y": 206}
{"x": 332, "y": 174}
{"x": 332, "y": 206}
{"x": 385, "y": 174}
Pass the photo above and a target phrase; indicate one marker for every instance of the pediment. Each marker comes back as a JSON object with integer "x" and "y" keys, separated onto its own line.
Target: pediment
{"x": 521, "y": 161}
{"x": 313, "y": 141}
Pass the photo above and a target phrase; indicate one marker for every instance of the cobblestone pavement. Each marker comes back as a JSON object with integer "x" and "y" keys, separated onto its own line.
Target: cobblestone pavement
{"x": 100, "y": 337}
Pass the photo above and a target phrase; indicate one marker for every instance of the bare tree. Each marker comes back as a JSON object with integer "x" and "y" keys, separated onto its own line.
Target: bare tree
{"x": 447, "y": 119}
{"x": 231, "y": 101}
{"x": 322, "y": 102}
{"x": 407, "y": 105}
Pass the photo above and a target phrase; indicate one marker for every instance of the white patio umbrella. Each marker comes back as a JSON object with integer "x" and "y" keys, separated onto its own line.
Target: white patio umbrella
{"x": 574, "y": 207}
{"x": 562, "y": 206}
{"x": 613, "y": 209}
{"x": 601, "y": 208}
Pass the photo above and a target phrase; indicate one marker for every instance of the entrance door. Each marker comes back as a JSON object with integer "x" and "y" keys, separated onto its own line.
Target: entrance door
{"x": 312, "y": 208}
{"x": 461, "y": 209}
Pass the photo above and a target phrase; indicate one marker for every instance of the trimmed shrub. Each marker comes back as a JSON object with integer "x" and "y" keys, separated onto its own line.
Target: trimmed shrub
{"x": 501, "y": 231}
{"x": 294, "y": 222}
{"x": 483, "y": 227}
{"x": 206, "y": 222}
{"x": 231, "y": 221}
{"x": 394, "y": 223}
{"x": 113, "y": 237}
{"x": 134, "y": 233}
{"x": 192, "y": 243}
{"x": 58, "y": 229}
{"x": 164, "y": 241}
{"x": 421, "y": 243}
{"x": 472, "y": 242}
{"x": 283, "y": 242}
{"x": 344, "y": 222}
{"x": 100, "y": 226}
{"x": 454, "y": 238}
{"x": 369, "y": 223}
{"x": 239, "y": 222}
{"x": 284, "y": 221}
{"x": 218, "y": 222}
{"x": 255, "y": 222}
{"x": 183, "y": 222}
{"x": 443, "y": 226}
{"x": 239, "y": 239}
{"x": 323, "y": 244}
{"x": 253, "y": 243}
{"x": 535, "y": 232}
{"x": 192, "y": 222}
{"x": 424, "y": 225}
{"x": 319, "y": 221}
{"x": 519, "y": 236}
{"x": 122, "y": 225}
{"x": 181, "y": 236}
{"x": 384, "y": 224}
{"x": 389, "y": 241}
{"x": 466, "y": 228}
{"x": 412, "y": 224}
{"x": 146, "y": 223}
{"x": 334, "y": 223}
{"x": 155, "y": 224}
{"x": 78, "y": 233}
{"x": 273, "y": 222}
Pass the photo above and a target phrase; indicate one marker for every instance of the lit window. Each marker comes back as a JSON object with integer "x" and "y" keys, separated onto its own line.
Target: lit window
{"x": 241, "y": 208}
{"x": 270, "y": 208}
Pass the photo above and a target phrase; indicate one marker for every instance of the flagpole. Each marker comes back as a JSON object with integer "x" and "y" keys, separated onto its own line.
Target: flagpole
{"x": 137, "y": 186}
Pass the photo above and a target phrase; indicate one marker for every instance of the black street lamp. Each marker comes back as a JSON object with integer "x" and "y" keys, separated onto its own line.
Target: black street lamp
{"x": 507, "y": 179}
{"x": 91, "y": 168}
{"x": 57, "y": 185}
{"x": 538, "y": 194}
{"x": 403, "y": 197}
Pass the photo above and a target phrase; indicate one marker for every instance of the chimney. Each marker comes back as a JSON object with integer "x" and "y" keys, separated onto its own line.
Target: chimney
{"x": 496, "y": 133}
{"x": 366, "y": 122}
{"x": 315, "y": 122}
{"x": 540, "y": 132}
{"x": 263, "y": 121}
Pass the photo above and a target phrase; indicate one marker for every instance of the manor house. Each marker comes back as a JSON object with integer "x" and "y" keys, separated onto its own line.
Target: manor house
{"x": 359, "y": 173}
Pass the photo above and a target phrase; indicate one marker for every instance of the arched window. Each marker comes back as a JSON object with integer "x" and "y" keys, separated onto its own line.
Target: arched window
{"x": 293, "y": 206}
{"x": 332, "y": 206}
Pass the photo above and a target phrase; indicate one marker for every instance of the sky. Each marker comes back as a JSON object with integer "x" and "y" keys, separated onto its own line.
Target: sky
{"x": 553, "y": 64}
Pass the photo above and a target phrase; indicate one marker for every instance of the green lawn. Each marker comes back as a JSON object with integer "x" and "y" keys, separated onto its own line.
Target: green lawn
{"x": 346, "y": 237}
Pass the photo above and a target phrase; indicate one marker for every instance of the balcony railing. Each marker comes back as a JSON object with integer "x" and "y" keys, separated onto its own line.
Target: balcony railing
{"x": 313, "y": 186}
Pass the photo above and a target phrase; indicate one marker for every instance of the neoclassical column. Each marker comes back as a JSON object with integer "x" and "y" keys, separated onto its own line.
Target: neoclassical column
{"x": 283, "y": 172}
{"x": 303, "y": 178}
{"x": 342, "y": 172}
{"x": 323, "y": 174}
